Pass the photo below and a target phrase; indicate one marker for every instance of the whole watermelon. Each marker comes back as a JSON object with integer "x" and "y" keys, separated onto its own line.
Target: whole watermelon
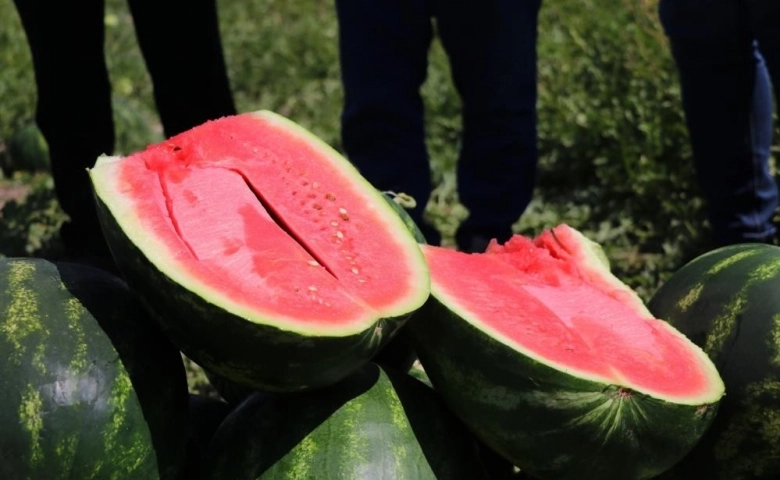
{"x": 89, "y": 387}
{"x": 728, "y": 302}
{"x": 377, "y": 423}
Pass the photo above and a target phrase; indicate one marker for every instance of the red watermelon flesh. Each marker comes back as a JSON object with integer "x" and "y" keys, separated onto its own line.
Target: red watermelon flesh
{"x": 238, "y": 206}
{"x": 554, "y": 299}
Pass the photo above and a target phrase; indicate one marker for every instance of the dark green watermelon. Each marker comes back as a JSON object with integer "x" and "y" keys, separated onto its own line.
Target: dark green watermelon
{"x": 728, "y": 302}
{"x": 377, "y": 423}
{"x": 89, "y": 387}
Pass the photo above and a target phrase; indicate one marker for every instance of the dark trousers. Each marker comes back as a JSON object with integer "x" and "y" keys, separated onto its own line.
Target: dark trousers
{"x": 727, "y": 99}
{"x": 491, "y": 47}
{"x": 181, "y": 45}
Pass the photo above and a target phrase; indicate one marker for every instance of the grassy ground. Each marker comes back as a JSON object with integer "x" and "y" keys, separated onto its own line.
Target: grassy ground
{"x": 615, "y": 157}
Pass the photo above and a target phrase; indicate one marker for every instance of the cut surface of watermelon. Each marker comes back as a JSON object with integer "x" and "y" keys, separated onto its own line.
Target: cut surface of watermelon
{"x": 237, "y": 211}
{"x": 557, "y": 302}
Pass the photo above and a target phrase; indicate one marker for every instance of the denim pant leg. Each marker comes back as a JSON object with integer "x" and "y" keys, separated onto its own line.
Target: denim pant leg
{"x": 73, "y": 107}
{"x": 492, "y": 52}
{"x": 383, "y": 51}
{"x": 727, "y": 103}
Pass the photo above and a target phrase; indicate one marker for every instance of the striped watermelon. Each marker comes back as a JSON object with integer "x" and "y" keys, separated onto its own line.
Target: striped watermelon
{"x": 89, "y": 387}
{"x": 377, "y": 423}
{"x": 728, "y": 302}
{"x": 266, "y": 257}
{"x": 557, "y": 365}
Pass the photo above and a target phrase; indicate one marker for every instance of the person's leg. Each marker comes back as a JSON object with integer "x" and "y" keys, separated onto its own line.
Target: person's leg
{"x": 764, "y": 18}
{"x": 73, "y": 109}
{"x": 181, "y": 44}
{"x": 492, "y": 52}
{"x": 728, "y": 111}
{"x": 765, "y": 15}
{"x": 383, "y": 49}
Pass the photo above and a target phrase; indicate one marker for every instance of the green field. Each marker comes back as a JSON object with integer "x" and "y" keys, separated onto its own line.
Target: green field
{"x": 615, "y": 158}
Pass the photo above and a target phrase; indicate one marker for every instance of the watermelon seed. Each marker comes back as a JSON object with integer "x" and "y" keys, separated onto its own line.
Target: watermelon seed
{"x": 355, "y": 271}
{"x": 313, "y": 263}
{"x": 312, "y": 288}
{"x": 330, "y": 197}
{"x": 343, "y": 213}
{"x": 317, "y": 206}
{"x": 334, "y": 223}
{"x": 315, "y": 185}
{"x": 339, "y": 235}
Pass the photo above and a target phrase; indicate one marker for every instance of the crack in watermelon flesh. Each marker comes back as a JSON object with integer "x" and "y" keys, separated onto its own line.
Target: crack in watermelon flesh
{"x": 270, "y": 221}
{"x": 555, "y": 302}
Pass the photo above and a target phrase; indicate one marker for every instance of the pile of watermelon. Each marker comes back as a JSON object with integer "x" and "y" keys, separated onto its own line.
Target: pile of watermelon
{"x": 308, "y": 297}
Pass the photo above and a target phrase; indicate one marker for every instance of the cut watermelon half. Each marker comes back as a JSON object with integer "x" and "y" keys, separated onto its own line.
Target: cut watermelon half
{"x": 266, "y": 255}
{"x": 557, "y": 364}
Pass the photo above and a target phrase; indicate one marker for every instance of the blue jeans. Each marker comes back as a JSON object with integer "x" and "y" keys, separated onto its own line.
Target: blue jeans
{"x": 491, "y": 47}
{"x": 727, "y": 101}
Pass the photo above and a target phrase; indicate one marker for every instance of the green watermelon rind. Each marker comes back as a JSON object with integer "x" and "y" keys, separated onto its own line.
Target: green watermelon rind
{"x": 548, "y": 421}
{"x": 105, "y": 183}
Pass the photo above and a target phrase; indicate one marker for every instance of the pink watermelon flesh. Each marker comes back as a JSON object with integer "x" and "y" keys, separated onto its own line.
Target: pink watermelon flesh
{"x": 246, "y": 211}
{"x": 542, "y": 297}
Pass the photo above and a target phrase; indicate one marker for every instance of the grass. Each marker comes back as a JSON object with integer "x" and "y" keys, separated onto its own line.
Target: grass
{"x": 615, "y": 161}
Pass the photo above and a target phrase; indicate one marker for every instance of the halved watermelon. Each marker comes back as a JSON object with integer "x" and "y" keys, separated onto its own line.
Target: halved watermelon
{"x": 557, "y": 365}
{"x": 264, "y": 253}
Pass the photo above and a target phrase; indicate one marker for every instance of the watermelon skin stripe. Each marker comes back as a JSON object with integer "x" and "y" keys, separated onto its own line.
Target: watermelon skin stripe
{"x": 550, "y": 423}
{"x": 728, "y": 302}
{"x": 253, "y": 355}
{"x": 89, "y": 387}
